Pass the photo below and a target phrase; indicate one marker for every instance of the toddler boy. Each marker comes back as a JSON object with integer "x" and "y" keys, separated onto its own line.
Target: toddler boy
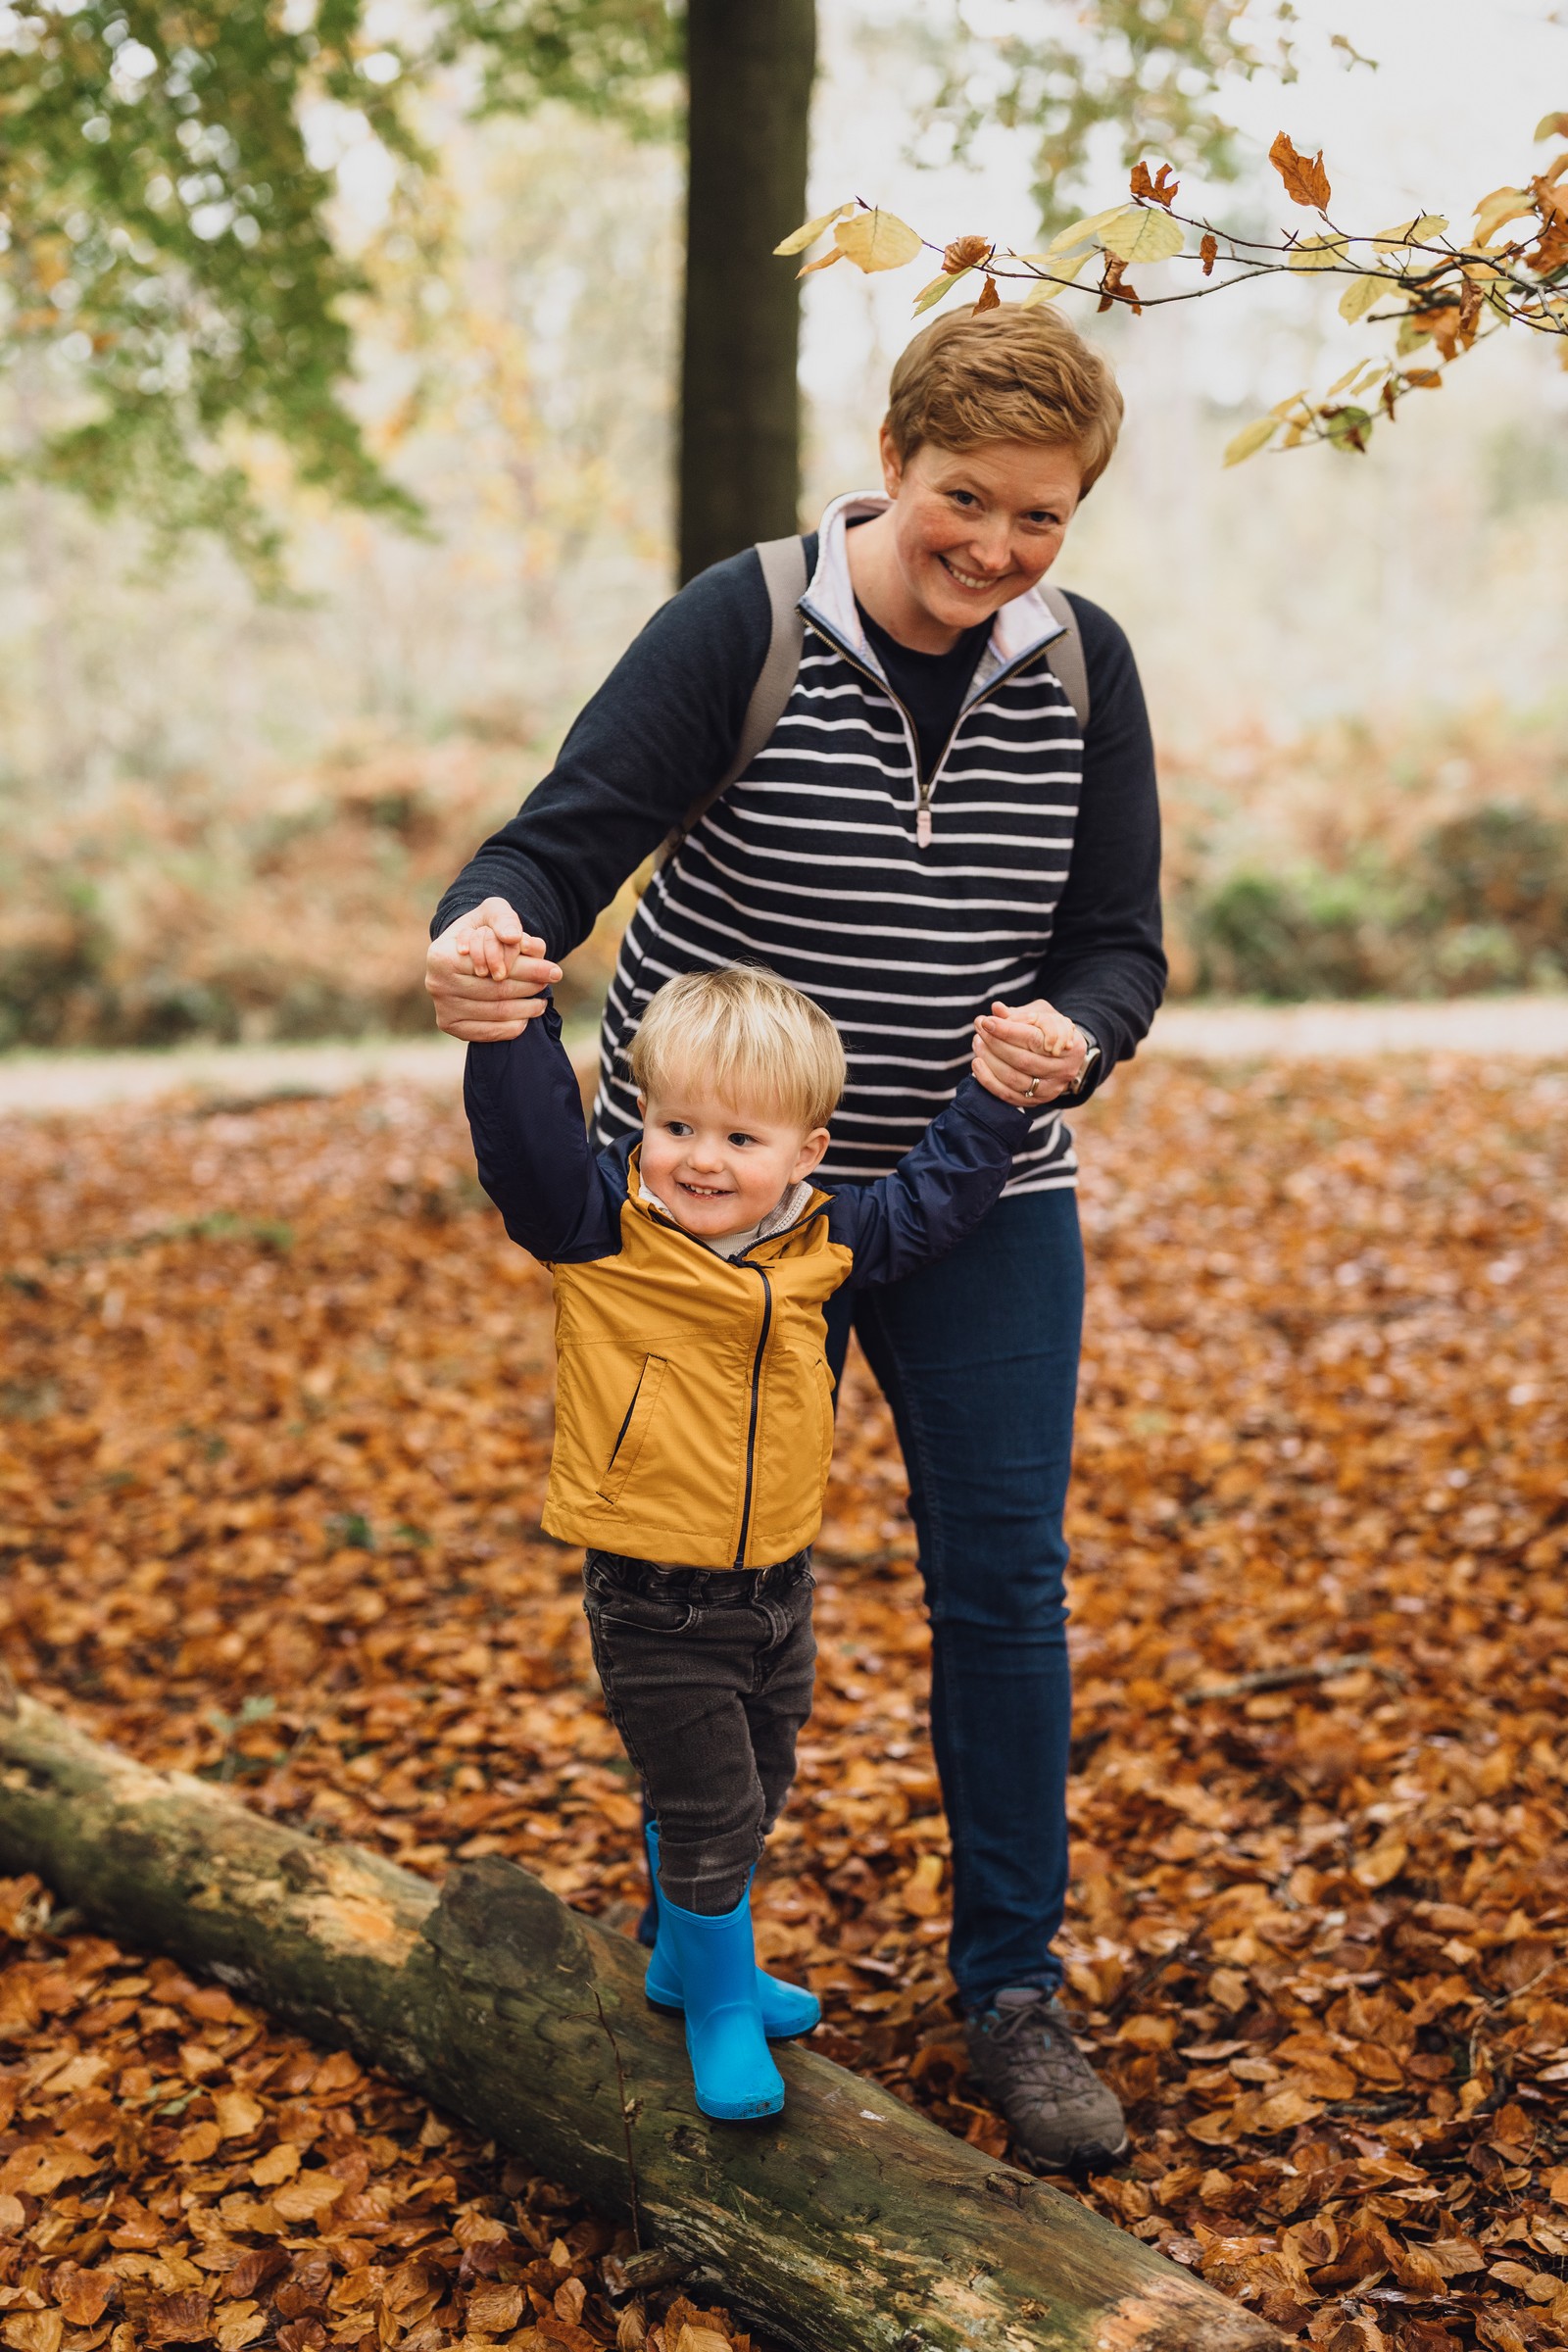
{"x": 694, "y": 1419}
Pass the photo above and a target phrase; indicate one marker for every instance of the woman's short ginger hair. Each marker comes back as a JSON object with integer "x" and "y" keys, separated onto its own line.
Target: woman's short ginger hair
{"x": 745, "y": 1035}
{"x": 1006, "y": 375}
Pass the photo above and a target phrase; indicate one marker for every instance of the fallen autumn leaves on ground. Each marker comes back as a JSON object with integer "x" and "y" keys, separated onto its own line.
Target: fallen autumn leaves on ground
{"x": 277, "y": 1402}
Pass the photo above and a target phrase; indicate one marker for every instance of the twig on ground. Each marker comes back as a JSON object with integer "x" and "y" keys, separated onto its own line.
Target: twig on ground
{"x": 1281, "y": 1678}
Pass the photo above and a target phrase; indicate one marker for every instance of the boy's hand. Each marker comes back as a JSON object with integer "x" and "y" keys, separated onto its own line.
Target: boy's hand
{"x": 486, "y": 973}
{"x": 1026, "y": 1053}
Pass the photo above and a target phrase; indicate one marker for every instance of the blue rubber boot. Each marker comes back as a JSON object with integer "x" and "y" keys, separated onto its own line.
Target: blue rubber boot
{"x": 735, "y": 2077}
{"x": 787, "y": 2009}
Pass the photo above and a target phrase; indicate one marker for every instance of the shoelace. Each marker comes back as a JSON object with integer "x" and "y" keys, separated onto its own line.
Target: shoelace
{"x": 1054, "y": 2059}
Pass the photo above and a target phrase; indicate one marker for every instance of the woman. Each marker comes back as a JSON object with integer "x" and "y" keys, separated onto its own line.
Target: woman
{"x": 928, "y": 839}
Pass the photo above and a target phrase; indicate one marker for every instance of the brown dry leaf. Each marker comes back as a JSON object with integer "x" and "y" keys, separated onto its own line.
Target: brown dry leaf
{"x": 32, "y": 2331}
{"x": 238, "y": 2324}
{"x": 238, "y": 2114}
{"x": 179, "y": 2319}
{"x": 962, "y": 252}
{"x": 1210, "y": 250}
{"x": 1306, "y": 180}
{"x": 989, "y": 298}
{"x": 306, "y": 2195}
{"x": 83, "y": 2295}
{"x": 496, "y": 2310}
{"x": 276, "y": 2164}
{"x": 700, "y": 2339}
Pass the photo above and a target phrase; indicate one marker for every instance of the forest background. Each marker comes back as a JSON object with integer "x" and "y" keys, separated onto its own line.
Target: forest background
{"x": 1356, "y": 666}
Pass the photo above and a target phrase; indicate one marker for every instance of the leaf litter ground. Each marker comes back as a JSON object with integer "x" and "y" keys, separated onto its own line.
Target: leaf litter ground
{"x": 278, "y": 1403}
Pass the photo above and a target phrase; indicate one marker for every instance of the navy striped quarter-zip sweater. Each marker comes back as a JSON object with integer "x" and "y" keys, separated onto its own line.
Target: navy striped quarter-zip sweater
{"x": 1025, "y": 863}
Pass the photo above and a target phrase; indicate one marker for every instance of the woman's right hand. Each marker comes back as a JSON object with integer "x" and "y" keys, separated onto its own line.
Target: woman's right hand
{"x": 486, "y": 975}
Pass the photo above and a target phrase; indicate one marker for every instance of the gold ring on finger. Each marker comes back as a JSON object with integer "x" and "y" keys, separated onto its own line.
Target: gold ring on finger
{"x": 1031, "y": 1090}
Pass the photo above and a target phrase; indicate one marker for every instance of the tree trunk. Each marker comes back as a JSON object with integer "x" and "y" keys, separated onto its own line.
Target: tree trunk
{"x": 750, "y": 71}
{"x": 848, "y": 2222}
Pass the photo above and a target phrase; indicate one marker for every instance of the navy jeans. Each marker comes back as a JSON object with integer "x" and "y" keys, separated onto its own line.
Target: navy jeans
{"x": 977, "y": 1355}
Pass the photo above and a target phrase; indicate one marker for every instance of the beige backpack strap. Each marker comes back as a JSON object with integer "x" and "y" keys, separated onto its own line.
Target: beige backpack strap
{"x": 783, "y": 562}
{"x": 1066, "y": 655}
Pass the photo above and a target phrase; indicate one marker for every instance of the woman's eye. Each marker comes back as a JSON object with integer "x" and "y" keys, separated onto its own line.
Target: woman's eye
{"x": 963, "y": 498}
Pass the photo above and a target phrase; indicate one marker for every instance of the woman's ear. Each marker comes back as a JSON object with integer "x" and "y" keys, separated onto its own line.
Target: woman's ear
{"x": 892, "y": 463}
{"x": 809, "y": 1154}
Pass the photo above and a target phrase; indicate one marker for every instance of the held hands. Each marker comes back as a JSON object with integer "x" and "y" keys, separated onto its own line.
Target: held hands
{"x": 486, "y": 974}
{"x": 1027, "y": 1054}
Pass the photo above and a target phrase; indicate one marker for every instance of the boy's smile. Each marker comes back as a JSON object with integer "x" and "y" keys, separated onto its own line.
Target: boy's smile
{"x": 718, "y": 1169}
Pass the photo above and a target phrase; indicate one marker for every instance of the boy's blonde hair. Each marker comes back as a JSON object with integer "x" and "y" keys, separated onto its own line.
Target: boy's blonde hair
{"x": 743, "y": 1032}
{"x": 1010, "y": 374}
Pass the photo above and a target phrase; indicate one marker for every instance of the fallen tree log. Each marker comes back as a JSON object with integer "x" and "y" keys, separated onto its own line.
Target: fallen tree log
{"x": 851, "y": 2223}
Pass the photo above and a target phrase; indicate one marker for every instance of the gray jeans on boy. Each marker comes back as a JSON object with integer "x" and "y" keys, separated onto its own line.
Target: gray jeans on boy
{"x": 707, "y": 1674}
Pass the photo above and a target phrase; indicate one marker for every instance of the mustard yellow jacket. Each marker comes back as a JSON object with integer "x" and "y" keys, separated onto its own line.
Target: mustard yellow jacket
{"x": 694, "y": 1406}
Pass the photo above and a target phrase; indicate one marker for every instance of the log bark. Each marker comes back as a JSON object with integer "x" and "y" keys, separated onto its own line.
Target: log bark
{"x": 749, "y": 75}
{"x": 848, "y": 2223}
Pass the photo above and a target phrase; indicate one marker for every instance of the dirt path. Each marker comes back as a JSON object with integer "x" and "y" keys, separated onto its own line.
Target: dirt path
{"x": 1477, "y": 1027}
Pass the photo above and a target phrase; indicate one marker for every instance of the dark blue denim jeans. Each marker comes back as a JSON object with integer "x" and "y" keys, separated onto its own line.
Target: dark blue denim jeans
{"x": 978, "y": 1358}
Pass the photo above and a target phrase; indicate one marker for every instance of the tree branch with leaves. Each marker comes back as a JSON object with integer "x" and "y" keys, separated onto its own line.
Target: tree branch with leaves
{"x": 1442, "y": 295}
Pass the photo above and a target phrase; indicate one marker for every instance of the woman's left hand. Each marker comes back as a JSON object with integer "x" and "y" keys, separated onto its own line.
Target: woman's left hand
{"x": 1027, "y": 1054}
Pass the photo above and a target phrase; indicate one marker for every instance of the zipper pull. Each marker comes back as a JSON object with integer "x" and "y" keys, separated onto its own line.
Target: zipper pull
{"x": 922, "y": 826}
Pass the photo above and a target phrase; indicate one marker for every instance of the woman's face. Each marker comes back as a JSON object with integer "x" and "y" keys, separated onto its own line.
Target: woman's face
{"x": 974, "y": 528}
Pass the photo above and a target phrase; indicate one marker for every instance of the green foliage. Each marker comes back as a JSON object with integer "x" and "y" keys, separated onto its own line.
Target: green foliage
{"x": 1482, "y": 903}
{"x": 1150, "y": 73}
{"x": 619, "y": 58}
{"x": 170, "y": 275}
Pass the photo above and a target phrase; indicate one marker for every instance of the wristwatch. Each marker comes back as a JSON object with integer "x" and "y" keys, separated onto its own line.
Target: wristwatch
{"x": 1090, "y": 1059}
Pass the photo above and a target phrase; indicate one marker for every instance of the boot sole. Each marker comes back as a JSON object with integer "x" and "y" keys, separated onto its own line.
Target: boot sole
{"x": 1077, "y": 2160}
{"x": 741, "y": 2111}
{"x": 668, "y": 2009}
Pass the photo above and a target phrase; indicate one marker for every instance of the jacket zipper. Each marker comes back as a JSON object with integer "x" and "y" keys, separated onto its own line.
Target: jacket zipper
{"x": 924, "y": 785}
{"x": 757, "y": 1391}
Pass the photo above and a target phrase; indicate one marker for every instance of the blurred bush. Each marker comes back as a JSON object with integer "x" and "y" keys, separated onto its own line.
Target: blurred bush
{"x": 1344, "y": 865}
{"x": 1347, "y": 868}
{"x": 143, "y": 917}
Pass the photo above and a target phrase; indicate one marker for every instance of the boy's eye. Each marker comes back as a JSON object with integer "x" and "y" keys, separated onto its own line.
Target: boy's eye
{"x": 738, "y": 1138}
{"x": 676, "y": 1127}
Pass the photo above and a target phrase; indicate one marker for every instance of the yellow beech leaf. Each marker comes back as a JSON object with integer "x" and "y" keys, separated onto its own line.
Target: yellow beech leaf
{"x": 876, "y": 240}
{"x": 1358, "y": 296}
{"x": 238, "y": 2114}
{"x": 1552, "y": 127}
{"x": 1419, "y": 231}
{"x": 823, "y": 261}
{"x": 810, "y": 230}
{"x": 1090, "y": 226}
{"x": 1062, "y": 274}
{"x": 922, "y": 1889}
{"x": 1142, "y": 233}
{"x": 932, "y": 294}
{"x": 1318, "y": 253}
{"x": 1495, "y": 211}
{"x": 279, "y": 2163}
{"x": 306, "y": 2195}
{"x": 1251, "y": 439}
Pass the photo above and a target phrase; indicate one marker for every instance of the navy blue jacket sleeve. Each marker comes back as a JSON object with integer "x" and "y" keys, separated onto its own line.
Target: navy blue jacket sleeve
{"x": 1105, "y": 964}
{"x": 534, "y": 1159}
{"x": 661, "y": 731}
{"x": 937, "y": 1194}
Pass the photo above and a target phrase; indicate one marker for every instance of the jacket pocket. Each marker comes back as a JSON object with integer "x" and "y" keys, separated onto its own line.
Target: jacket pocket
{"x": 634, "y": 1428}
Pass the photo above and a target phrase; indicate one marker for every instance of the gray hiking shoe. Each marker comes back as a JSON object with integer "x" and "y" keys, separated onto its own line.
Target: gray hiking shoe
{"x": 1026, "y": 2061}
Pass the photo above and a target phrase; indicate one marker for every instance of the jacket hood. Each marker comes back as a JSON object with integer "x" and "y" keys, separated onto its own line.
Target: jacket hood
{"x": 1020, "y": 629}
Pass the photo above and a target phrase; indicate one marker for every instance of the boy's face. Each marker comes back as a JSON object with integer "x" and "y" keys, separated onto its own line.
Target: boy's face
{"x": 719, "y": 1170}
